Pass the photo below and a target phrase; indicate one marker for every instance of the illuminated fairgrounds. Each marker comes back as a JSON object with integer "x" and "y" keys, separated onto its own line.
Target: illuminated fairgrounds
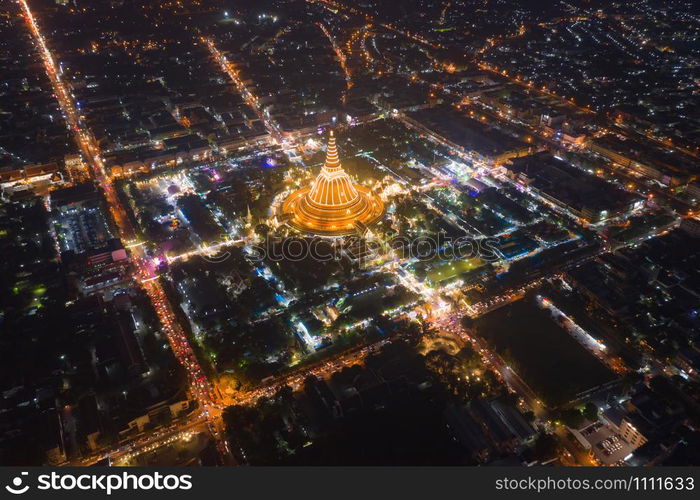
{"x": 333, "y": 205}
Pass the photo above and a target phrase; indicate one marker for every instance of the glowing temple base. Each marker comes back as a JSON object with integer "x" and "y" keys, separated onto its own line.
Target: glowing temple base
{"x": 306, "y": 217}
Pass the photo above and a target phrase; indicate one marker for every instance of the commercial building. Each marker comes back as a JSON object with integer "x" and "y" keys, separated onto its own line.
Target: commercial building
{"x": 583, "y": 195}
{"x": 668, "y": 167}
{"x": 469, "y": 136}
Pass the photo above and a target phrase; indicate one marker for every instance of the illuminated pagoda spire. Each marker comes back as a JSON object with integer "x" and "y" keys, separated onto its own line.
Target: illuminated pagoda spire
{"x": 332, "y": 158}
{"x": 333, "y": 204}
{"x": 333, "y": 185}
{"x": 248, "y": 218}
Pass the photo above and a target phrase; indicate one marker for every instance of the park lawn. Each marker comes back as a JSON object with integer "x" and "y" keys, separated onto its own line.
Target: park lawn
{"x": 452, "y": 268}
{"x": 552, "y": 363}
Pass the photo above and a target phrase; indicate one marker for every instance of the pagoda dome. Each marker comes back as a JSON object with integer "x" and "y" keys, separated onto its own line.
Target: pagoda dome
{"x": 333, "y": 204}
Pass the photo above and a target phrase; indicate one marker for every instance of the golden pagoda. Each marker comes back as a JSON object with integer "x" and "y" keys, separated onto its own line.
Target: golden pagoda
{"x": 333, "y": 204}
